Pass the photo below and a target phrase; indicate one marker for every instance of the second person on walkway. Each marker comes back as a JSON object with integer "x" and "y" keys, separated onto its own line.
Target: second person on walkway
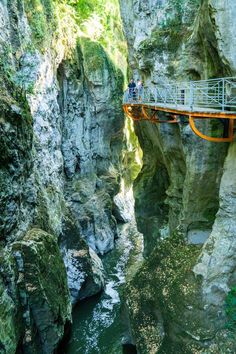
{"x": 132, "y": 90}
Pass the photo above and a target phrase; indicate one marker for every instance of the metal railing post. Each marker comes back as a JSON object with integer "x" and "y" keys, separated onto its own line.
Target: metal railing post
{"x": 148, "y": 94}
{"x": 176, "y": 95}
{"x": 191, "y": 95}
{"x": 223, "y": 95}
{"x": 165, "y": 95}
{"x": 218, "y": 92}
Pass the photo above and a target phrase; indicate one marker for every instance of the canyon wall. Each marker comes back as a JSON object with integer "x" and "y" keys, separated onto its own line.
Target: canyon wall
{"x": 64, "y": 158}
{"x": 181, "y": 299}
{"x": 61, "y": 136}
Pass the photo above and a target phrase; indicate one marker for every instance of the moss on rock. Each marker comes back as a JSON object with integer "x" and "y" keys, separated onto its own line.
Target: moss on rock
{"x": 40, "y": 14}
{"x": 162, "y": 296}
{"x": 95, "y": 57}
{"x": 230, "y": 308}
{"x": 16, "y": 136}
{"x": 11, "y": 327}
{"x": 44, "y": 294}
{"x": 99, "y": 68}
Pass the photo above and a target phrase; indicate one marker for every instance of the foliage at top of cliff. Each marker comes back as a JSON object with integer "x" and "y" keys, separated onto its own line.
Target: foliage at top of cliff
{"x": 58, "y": 25}
{"x": 41, "y": 17}
{"x": 98, "y": 20}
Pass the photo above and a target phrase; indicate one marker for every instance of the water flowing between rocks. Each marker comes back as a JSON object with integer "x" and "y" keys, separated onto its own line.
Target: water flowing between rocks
{"x": 98, "y": 327}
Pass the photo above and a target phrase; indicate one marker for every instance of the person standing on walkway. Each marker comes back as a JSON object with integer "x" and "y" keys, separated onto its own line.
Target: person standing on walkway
{"x": 140, "y": 90}
{"x": 132, "y": 90}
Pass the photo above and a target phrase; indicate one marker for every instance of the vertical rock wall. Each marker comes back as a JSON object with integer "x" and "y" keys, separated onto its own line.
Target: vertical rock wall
{"x": 185, "y": 192}
{"x": 61, "y": 133}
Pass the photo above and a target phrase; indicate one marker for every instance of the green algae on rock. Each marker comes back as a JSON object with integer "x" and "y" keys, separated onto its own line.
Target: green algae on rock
{"x": 43, "y": 291}
{"x": 185, "y": 184}
{"x": 11, "y": 327}
{"x": 169, "y": 288}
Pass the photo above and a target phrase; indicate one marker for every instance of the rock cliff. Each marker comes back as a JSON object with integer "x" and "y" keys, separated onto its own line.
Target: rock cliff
{"x": 61, "y": 137}
{"x": 67, "y": 159}
{"x": 185, "y": 193}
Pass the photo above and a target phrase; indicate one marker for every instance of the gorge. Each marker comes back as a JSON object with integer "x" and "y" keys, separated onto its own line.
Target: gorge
{"x": 116, "y": 237}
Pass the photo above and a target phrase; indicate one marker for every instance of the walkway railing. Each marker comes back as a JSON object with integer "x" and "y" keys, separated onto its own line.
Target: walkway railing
{"x": 215, "y": 94}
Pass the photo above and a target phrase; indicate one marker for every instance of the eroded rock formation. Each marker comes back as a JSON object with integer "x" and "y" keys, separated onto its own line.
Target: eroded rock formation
{"x": 61, "y": 162}
{"x": 61, "y": 133}
{"x": 185, "y": 193}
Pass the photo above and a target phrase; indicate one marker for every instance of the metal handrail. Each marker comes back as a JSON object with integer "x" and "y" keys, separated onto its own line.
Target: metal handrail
{"x": 216, "y": 94}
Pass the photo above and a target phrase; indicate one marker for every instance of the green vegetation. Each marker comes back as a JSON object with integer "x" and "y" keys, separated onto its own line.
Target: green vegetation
{"x": 170, "y": 33}
{"x": 167, "y": 37}
{"x": 100, "y": 21}
{"x": 44, "y": 276}
{"x": 167, "y": 283}
{"x": 132, "y": 159}
{"x": 59, "y": 24}
{"x": 86, "y": 8}
{"x": 96, "y": 60}
{"x": 11, "y": 94}
{"x": 230, "y": 309}
{"x": 97, "y": 20}
{"x": 40, "y": 14}
{"x": 94, "y": 55}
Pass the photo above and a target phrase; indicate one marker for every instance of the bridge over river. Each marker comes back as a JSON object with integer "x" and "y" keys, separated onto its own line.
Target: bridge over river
{"x": 196, "y": 100}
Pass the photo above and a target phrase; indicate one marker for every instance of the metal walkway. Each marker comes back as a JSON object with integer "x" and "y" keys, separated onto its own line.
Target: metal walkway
{"x": 205, "y": 99}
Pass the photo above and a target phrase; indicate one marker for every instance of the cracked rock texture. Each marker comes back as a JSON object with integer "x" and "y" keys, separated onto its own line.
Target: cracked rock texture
{"x": 40, "y": 275}
{"x": 185, "y": 194}
{"x": 61, "y": 133}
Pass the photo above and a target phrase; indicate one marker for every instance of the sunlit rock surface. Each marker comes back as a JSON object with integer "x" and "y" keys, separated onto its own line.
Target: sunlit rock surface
{"x": 185, "y": 192}
{"x": 61, "y": 166}
{"x": 217, "y": 262}
{"x": 85, "y": 273}
{"x": 61, "y": 133}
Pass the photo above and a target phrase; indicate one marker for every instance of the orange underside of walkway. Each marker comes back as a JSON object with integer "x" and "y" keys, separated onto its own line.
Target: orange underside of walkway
{"x": 149, "y": 112}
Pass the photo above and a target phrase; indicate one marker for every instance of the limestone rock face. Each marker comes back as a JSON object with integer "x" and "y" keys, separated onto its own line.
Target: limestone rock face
{"x": 168, "y": 38}
{"x": 61, "y": 132}
{"x": 85, "y": 273}
{"x": 182, "y": 182}
{"x": 43, "y": 291}
{"x": 11, "y": 327}
{"x": 184, "y": 195}
{"x": 223, "y": 14}
{"x": 35, "y": 301}
{"x": 216, "y": 265}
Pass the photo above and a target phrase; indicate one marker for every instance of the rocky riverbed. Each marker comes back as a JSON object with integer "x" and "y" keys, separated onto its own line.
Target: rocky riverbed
{"x": 99, "y": 326}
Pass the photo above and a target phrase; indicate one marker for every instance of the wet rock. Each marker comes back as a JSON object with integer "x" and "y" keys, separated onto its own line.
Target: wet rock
{"x": 197, "y": 237}
{"x": 11, "y": 326}
{"x": 123, "y": 208}
{"x": 61, "y": 132}
{"x": 43, "y": 291}
{"x": 85, "y": 273}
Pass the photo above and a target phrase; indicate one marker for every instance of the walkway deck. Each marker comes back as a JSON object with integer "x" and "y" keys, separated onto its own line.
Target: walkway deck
{"x": 208, "y": 99}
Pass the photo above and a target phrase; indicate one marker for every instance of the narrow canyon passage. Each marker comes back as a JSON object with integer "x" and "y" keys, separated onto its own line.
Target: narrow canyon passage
{"x": 98, "y": 324}
{"x": 88, "y": 89}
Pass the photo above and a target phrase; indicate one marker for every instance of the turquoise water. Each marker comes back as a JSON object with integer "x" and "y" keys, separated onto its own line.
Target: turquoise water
{"x": 98, "y": 327}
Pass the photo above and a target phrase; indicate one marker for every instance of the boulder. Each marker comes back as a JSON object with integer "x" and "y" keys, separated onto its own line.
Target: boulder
{"x": 43, "y": 291}
{"x": 85, "y": 273}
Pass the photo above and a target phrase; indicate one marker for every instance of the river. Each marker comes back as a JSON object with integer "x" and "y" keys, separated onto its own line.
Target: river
{"x": 98, "y": 327}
